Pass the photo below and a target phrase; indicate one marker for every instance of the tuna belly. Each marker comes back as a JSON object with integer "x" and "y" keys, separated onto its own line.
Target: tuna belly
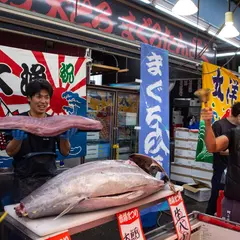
{"x": 103, "y": 202}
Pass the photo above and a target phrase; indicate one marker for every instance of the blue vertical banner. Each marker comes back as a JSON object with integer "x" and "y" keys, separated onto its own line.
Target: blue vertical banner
{"x": 154, "y": 105}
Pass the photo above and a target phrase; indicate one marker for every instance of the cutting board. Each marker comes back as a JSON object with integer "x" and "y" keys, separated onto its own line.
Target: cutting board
{"x": 82, "y": 221}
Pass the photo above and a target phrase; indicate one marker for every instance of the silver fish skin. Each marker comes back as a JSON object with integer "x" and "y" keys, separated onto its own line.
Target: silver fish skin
{"x": 89, "y": 187}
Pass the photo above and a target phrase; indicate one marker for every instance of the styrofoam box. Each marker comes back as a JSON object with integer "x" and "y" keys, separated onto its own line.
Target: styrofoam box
{"x": 180, "y": 143}
{"x": 184, "y": 161}
{"x": 203, "y": 165}
{"x": 180, "y": 178}
{"x": 193, "y": 135}
{"x": 185, "y": 153}
{"x": 181, "y": 169}
{"x": 202, "y": 174}
{"x": 202, "y": 195}
{"x": 182, "y": 133}
{"x": 93, "y": 135}
{"x": 192, "y": 144}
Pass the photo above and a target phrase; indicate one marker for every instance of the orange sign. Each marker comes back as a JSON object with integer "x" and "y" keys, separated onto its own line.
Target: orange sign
{"x": 61, "y": 236}
{"x": 180, "y": 216}
{"x": 130, "y": 225}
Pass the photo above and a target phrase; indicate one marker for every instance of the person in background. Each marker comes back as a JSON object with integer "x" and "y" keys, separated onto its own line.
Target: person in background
{"x": 34, "y": 157}
{"x": 229, "y": 140}
{"x": 220, "y": 159}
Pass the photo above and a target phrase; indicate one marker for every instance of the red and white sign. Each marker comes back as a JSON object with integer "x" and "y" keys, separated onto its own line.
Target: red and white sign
{"x": 60, "y": 236}
{"x": 180, "y": 216}
{"x": 130, "y": 225}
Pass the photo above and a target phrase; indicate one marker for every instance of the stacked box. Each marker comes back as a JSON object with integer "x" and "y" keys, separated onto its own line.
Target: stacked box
{"x": 185, "y": 169}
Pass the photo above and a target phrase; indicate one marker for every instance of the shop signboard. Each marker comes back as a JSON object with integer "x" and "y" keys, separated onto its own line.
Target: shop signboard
{"x": 224, "y": 87}
{"x": 119, "y": 18}
{"x": 154, "y": 105}
{"x": 66, "y": 74}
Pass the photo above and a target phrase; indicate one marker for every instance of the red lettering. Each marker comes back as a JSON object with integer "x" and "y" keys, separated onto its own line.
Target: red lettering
{"x": 179, "y": 45}
{"x": 84, "y": 12}
{"x": 129, "y": 27}
{"x": 140, "y": 31}
{"x": 57, "y": 9}
{"x": 200, "y": 44}
{"x": 27, "y": 4}
{"x": 156, "y": 36}
{"x": 103, "y": 18}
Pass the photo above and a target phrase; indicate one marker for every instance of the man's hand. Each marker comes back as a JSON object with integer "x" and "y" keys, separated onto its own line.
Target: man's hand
{"x": 19, "y": 135}
{"x": 207, "y": 115}
{"x": 68, "y": 134}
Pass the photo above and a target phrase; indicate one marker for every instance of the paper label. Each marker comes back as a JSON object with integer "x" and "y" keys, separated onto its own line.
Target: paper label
{"x": 180, "y": 216}
{"x": 61, "y": 236}
{"x": 130, "y": 225}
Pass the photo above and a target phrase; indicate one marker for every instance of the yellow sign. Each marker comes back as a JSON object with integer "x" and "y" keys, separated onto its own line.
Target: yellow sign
{"x": 224, "y": 87}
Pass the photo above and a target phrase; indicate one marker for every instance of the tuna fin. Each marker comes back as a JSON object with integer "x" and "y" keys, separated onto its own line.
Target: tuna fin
{"x": 69, "y": 208}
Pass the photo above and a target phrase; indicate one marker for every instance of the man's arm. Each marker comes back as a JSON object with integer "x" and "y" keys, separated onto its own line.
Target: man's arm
{"x": 64, "y": 146}
{"x": 13, "y": 147}
{"x": 15, "y": 144}
{"x": 213, "y": 144}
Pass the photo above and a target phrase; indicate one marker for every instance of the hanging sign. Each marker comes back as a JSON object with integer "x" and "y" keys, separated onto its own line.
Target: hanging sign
{"x": 61, "y": 236}
{"x": 180, "y": 216}
{"x": 130, "y": 226}
{"x": 66, "y": 74}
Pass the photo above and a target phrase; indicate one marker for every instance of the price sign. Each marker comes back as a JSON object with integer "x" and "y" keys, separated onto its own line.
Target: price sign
{"x": 130, "y": 225}
{"x": 60, "y": 236}
{"x": 180, "y": 217}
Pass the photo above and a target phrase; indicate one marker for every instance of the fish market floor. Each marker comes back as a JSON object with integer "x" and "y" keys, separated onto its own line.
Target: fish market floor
{"x": 110, "y": 230}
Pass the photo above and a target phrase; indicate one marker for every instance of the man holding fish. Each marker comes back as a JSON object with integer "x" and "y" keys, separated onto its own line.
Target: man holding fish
{"x": 34, "y": 157}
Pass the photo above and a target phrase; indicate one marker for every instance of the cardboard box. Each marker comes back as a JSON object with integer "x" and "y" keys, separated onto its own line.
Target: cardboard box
{"x": 197, "y": 191}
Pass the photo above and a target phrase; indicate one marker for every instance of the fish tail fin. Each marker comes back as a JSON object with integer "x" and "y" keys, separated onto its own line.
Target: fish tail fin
{"x": 69, "y": 208}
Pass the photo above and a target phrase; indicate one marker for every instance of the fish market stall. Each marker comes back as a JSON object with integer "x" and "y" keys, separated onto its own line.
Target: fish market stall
{"x": 203, "y": 227}
{"x": 44, "y": 227}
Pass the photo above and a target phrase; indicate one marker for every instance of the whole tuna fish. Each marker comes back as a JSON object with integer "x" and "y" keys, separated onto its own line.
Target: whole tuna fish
{"x": 92, "y": 186}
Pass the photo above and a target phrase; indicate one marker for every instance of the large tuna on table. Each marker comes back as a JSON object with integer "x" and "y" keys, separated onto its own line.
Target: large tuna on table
{"x": 93, "y": 186}
{"x": 50, "y": 126}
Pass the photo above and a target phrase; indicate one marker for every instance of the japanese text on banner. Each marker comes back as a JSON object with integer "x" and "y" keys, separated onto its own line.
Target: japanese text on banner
{"x": 224, "y": 86}
{"x": 130, "y": 226}
{"x": 154, "y": 105}
{"x": 180, "y": 217}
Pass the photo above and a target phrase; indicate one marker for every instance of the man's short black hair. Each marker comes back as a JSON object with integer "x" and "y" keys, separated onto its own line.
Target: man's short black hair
{"x": 36, "y": 86}
{"x": 236, "y": 109}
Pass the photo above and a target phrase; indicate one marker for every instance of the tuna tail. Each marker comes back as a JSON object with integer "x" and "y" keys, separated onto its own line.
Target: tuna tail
{"x": 69, "y": 208}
